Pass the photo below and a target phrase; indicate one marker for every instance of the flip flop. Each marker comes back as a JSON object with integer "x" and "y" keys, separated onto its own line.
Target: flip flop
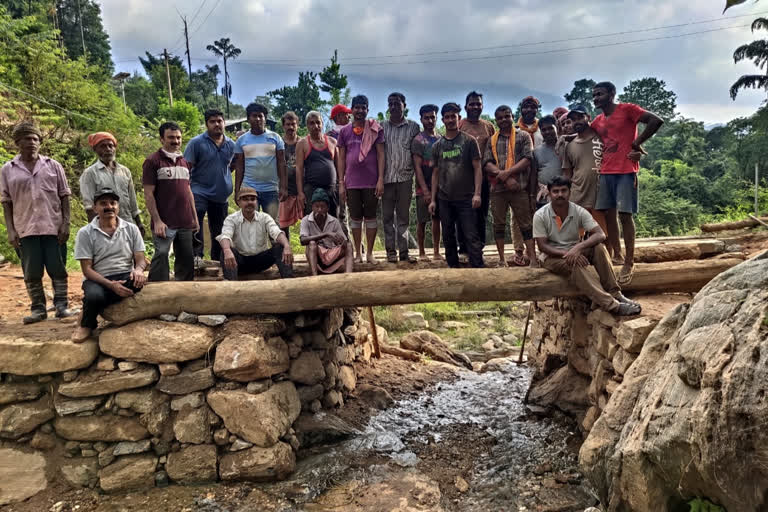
{"x": 624, "y": 278}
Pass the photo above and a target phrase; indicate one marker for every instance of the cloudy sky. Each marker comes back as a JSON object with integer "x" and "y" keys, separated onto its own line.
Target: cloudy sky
{"x": 517, "y": 44}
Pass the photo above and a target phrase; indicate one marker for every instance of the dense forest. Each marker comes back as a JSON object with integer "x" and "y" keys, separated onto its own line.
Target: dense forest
{"x": 62, "y": 76}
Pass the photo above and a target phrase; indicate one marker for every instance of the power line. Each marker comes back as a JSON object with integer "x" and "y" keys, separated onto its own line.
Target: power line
{"x": 198, "y": 11}
{"x": 43, "y": 100}
{"x": 194, "y": 31}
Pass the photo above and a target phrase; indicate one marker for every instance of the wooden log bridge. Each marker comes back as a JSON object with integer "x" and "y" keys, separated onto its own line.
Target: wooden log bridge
{"x": 392, "y": 287}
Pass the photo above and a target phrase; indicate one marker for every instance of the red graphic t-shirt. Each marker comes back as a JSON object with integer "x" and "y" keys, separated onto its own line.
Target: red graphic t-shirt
{"x": 618, "y": 131}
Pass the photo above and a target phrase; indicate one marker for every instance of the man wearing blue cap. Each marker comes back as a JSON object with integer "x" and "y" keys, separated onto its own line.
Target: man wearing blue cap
{"x": 328, "y": 248}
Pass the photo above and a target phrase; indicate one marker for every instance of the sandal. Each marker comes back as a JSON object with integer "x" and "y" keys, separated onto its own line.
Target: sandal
{"x": 622, "y": 299}
{"x": 624, "y": 277}
{"x": 625, "y": 309}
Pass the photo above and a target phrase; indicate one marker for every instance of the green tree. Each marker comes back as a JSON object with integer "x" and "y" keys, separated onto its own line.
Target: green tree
{"x": 224, "y": 49}
{"x": 155, "y": 68}
{"x": 581, "y": 94}
{"x": 80, "y": 25}
{"x": 333, "y": 81}
{"x": 205, "y": 84}
{"x": 651, "y": 94}
{"x": 757, "y": 52}
{"x": 141, "y": 96}
{"x": 301, "y": 98}
{"x": 184, "y": 113}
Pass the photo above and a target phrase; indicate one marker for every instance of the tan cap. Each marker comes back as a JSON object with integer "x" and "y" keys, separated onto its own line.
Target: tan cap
{"x": 246, "y": 191}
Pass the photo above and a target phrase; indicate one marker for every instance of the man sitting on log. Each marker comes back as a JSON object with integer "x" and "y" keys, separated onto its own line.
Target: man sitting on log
{"x": 111, "y": 255}
{"x": 246, "y": 240}
{"x": 558, "y": 229}
{"x": 328, "y": 249}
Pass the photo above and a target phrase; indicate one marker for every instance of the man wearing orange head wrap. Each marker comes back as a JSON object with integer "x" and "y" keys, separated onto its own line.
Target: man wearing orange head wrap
{"x": 106, "y": 172}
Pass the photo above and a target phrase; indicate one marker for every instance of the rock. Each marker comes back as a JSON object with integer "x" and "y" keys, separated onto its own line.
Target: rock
{"x": 187, "y": 318}
{"x": 309, "y": 393}
{"x": 322, "y": 428}
{"x": 307, "y": 368}
{"x": 565, "y": 389}
{"x": 429, "y": 343}
{"x": 127, "y": 366}
{"x": 133, "y": 472}
{"x": 452, "y": 324}
{"x": 221, "y": 437}
{"x": 509, "y": 338}
{"x": 260, "y": 419}
{"x": 345, "y": 354}
{"x": 89, "y": 453}
{"x": 212, "y": 320}
{"x": 22, "y": 418}
{"x": 295, "y": 345}
{"x": 161, "y": 479}
{"x": 488, "y": 346}
{"x": 59, "y": 506}
{"x": 315, "y": 406}
{"x": 622, "y": 360}
{"x": 348, "y": 378}
{"x": 106, "y": 364}
{"x": 414, "y": 320}
{"x": 332, "y": 322}
{"x": 19, "y": 392}
{"x": 155, "y": 341}
{"x": 602, "y": 318}
{"x": 315, "y": 339}
{"x": 65, "y": 406}
{"x": 81, "y": 472}
{"x": 192, "y": 400}
{"x": 169, "y": 369}
{"x": 69, "y": 376}
{"x": 141, "y": 401}
{"x": 245, "y": 357}
{"x": 106, "y": 458}
{"x": 100, "y": 383}
{"x": 375, "y": 396}
{"x": 22, "y": 475}
{"x": 239, "y": 444}
{"x": 188, "y": 381}
{"x": 131, "y": 447}
{"x": 258, "y": 464}
{"x": 42, "y": 441}
{"x": 167, "y": 318}
{"x": 193, "y": 464}
{"x": 632, "y": 333}
{"x": 333, "y": 399}
{"x": 32, "y": 357}
{"x": 308, "y": 319}
{"x": 461, "y": 485}
{"x": 191, "y": 425}
{"x": 331, "y": 374}
{"x": 499, "y": 364}
{"x": 105, "y": 428}
{"x": 156, "y": 419}
{"x": 685, "y": 420}
{"x": 258, "y": 386}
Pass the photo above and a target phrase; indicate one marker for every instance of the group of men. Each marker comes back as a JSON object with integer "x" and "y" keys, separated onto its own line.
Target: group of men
{"x": 569, "y": 182}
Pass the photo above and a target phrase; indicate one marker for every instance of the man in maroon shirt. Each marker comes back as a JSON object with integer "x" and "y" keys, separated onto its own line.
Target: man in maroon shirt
{"x": 622, "y": 150}
{"x": 172, "y": 207}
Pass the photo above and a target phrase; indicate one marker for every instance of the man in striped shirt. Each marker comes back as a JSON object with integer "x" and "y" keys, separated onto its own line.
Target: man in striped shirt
{"x": 171, "y": 206}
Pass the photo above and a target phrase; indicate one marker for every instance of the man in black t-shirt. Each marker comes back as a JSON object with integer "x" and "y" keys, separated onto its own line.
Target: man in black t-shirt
{"x": 456, "y": 183}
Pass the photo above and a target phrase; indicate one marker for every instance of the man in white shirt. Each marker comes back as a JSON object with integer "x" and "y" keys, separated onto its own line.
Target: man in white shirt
{"x": 246, "y": 241}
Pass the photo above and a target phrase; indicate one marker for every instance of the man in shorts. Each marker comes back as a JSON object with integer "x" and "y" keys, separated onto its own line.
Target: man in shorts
{"x": 423, "y": 163}
{"x": 622, "y": 150}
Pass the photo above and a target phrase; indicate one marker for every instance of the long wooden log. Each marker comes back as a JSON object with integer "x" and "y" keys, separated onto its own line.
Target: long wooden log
{"x": 724, "y": 226}
{"x": 389, "y": 288}
{"x": 410, "y": 355}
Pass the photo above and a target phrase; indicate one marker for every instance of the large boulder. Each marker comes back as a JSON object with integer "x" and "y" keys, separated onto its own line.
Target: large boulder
{"x": 155, "y": 341}
{"x": 105, "y": 428}
{"x": 19, "y": 419}
{"x": 687, "y": 421}
{"x": 97, "y": 383}
{"x": 258, "y": 464}
{"x": 193, "y": 464}
{"x": 247, "y": 357}
{"x": 23, "y": 356}
{"x": 22, "y": 475}
{"x": 308, "y": 368}
{"x": 260, "y": 419}
{"x": 132, "y": 472}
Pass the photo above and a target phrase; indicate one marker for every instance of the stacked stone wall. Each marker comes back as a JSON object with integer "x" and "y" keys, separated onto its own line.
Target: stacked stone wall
{"x": 185, "y": 400}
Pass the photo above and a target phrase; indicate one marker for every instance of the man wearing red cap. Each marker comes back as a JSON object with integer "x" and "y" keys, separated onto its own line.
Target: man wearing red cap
{"x": 106, "y": 172}
{"x": 339, "y": 119}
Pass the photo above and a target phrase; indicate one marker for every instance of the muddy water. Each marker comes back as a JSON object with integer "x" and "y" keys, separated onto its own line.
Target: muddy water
{"x": 478, "y": 421}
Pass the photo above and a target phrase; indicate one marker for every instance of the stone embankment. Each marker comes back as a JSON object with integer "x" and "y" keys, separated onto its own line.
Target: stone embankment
{"x": 186, "y": 400}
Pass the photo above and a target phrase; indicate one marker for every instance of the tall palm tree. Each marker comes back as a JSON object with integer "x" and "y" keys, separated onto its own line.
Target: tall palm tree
{"x": 226, "y": 50}
{"x": 757, "y": 52}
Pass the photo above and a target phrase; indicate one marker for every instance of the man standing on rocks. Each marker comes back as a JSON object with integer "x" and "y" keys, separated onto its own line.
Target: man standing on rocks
{"x": 423, "y": 164}
{"x": 328, "y": 248}
{"x": 209, "y": 156}
{"x": 35, "y": 197}
{"x": 111, "y": 255}
{"x": 247, "y": 241}
{"x": 171, "y": 205}
{"x": 108, "y": 173}
{"x": 398, "y": 179}
{"x": 546, "y": 160}
{"x": 623, "y": 148}
{"x": 557, "y": 228}
{"x": 316, "y": 164}
{"x": 291, "y": 210}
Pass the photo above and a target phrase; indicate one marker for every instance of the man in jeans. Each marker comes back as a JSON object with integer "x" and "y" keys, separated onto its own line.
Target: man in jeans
{"x": 247, "y": 241}
{"x": 171, "y": 206}
{"x": 209, "y": 156}
{"x": 457, "y": 182}
{"x": 398, "y": 178}
{"x": 260, "y": 161}
{"x": 35, "y": 197}
{"x": 111, "y": 255}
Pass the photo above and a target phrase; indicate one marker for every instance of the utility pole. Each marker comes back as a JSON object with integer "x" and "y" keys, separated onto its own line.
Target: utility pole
{"x": 168, "y": 77}
{"x": 189, "y": 57}
{"x": 757, "y": 190}
{"x": 82, "y": 35}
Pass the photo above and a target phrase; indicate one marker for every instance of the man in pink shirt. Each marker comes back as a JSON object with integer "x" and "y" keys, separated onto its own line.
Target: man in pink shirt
{"x": 35, "y": 197}
{"x": 622, "y": 150}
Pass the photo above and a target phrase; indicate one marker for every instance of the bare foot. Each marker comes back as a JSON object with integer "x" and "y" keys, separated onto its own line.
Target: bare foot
{"x": 436, "y": 256}
{"x": 81, "y": 334}
{"x": 370, "y": 259}
{"x": 359, "y": 258}
{"x": 535, "y": 263}
{"x": 502, "y": 263}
